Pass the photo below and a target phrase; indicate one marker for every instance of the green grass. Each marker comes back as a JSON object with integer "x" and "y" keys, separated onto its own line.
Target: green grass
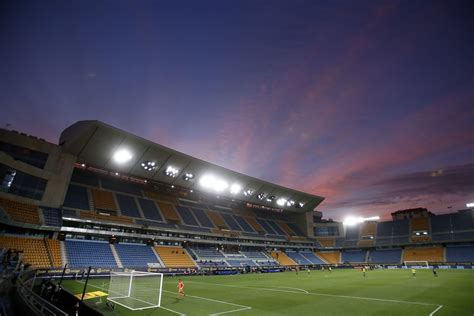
{"x": 343, "y": 292}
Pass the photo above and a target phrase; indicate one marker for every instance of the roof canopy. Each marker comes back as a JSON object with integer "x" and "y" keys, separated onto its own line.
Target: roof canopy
{"x": 96, "y": 144}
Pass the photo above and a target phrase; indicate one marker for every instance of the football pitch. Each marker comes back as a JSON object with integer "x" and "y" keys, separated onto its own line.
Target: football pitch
{"x": 342, "y": 292}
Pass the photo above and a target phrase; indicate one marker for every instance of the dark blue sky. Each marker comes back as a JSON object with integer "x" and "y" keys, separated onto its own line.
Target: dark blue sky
{"x": 368, "y": 103}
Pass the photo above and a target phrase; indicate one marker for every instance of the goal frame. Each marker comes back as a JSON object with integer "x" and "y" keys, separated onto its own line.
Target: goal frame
{"x": 421, "y": 264}
{"x": 132, "y": 275}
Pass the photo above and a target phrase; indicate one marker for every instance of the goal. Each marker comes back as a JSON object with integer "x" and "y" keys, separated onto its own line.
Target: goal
{"x": 136, "y": 290}
{"x": 416, "y": 264}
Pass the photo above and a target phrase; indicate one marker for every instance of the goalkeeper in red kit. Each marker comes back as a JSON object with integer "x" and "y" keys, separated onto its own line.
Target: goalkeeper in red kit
{"x": 180, "y": 288}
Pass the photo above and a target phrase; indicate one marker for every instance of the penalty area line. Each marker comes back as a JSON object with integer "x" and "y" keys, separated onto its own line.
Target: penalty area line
{"x": 241, "y": 307}
{"x": 437, "y": 309}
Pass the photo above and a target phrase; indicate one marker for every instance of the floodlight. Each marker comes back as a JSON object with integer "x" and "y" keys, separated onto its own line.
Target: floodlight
{"x": 301, "y": 204}
{"x": 248, "y": 192}
{"x": 351, "y": 220}
{"x": 213, "y": 183}
{"x": 122, "y": 156}
{"x": 188, "y": 176}
{"x": 148, "y": 165}
{"x": 235, "y": 188}
{"x": 290, "y": 203}
{"x": 425, "y": 233}
{"x": 83, "y": 165}
{"x": 469, "y": 204}
{"x": 171, "y": 171}
{"x": 261, "y": 196}
{"x": 270, "y": 198}
{"x": 116, "y": 173}
{"x": 172, "y": 186}
{"x": 281, "y": 201}
{"x": 417, "y": 233}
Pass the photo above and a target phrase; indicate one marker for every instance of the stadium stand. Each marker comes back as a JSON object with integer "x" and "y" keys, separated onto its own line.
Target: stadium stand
{"x": 175, "y": 257}
{"x": 230, "y": 221}
{"x": 420, "y": 227}
{"x": 353, "y": 256}
{"x": 266, "y": 226}
{"x": 326, "y": 242}
{"x": 311, "y": 257}
{"x": 296, "y": 230}
{"x": 77, "y": 197}
{"x": 297, "y": 257}
{"x": 385, "y": 256}
{"x": 106, "y": 217}
{"x": 286, "y": 228}
{"x": 149, "y": 210}
{"x": 217, "y": 220}
{"x": 430, "y": 254}
{"x": 187, "y": 216}
{"x": 169, "y": 212}
{"x": 35, "y": 251}
{"x": 103, "y": 200}
{"x": 21, "y": 212}
{"x": 243, "y": 223}
{"x": 207, "y": 253}
{"x": 135, "y": 255}
{"x": 254, "y": 254}
{"x": 282, "y": 258}
{"x": 276, "y": 228}
{"x": 202, "y": 217}
{"x": 127, "y": 205}
{"x": 255, "y": 225}
{"x": 460, "y": 253}
{"x": 54, "y": 250}
{"x": 331, "y": 257}
{"x": 52, "y": 216}
{"x": 85, "y": 253}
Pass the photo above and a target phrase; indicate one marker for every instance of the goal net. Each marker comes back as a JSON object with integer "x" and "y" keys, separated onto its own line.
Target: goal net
{"x": 136, "y": 290}
{"x": 416, "y": 264}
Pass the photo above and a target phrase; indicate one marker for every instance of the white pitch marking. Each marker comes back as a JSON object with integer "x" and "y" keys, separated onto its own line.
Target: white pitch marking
{"x": 294, "y": 288}
{"x": 242, "y": 307}
{"x": 320, "y": 294}
{"x": 437, "y": 309}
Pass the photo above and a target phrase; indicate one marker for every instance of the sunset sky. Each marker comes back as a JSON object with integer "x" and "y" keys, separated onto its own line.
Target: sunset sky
{"x": 367, "y": 103}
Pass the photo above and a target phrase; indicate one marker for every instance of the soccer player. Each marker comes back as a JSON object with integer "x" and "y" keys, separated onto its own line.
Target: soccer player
{"x": 180, "y": 288}
{"x": 413, "y": 273}
{"x": 330, "y": 270}
{"x": 309, "y": 271}
{"x": 434, "y": 272}
{"x": 363, "y": 271}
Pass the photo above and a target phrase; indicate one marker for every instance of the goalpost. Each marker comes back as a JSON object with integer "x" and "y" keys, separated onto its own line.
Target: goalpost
{"x": 136, "y": 290}
{"x": 416, "y": 264}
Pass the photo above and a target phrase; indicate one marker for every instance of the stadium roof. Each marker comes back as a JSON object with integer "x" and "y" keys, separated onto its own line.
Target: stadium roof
{"x": 103, "y": 146}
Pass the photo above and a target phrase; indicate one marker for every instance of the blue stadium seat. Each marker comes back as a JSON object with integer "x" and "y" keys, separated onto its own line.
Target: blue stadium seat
{"x": 266, "y": 226}
{"x": 276, "y": 228}
{"x": 254, "y": 254}
{"x": 207, "y": 253}
{"x": 297, "y": 257}
{"x": 462, "y": 253}
{"x": 187, "y": 216}
{"x": 52, "y": 216}
{"x": 230, "y": 221}
{"x": 296, "y": 229}
{"x": 243, "y": 223}
{"x": 127, "y": 205}
{"x": 312, "y": 257}
{"x": 353, "y": 256}
{"x": 385, "y": 256}
{"x": 202, "y": 217}
{"x": 76, "y": 197}
{"x": 149, "y": 209}
{"x": 82, "y": 254}
{"x": 135, "y": 255}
